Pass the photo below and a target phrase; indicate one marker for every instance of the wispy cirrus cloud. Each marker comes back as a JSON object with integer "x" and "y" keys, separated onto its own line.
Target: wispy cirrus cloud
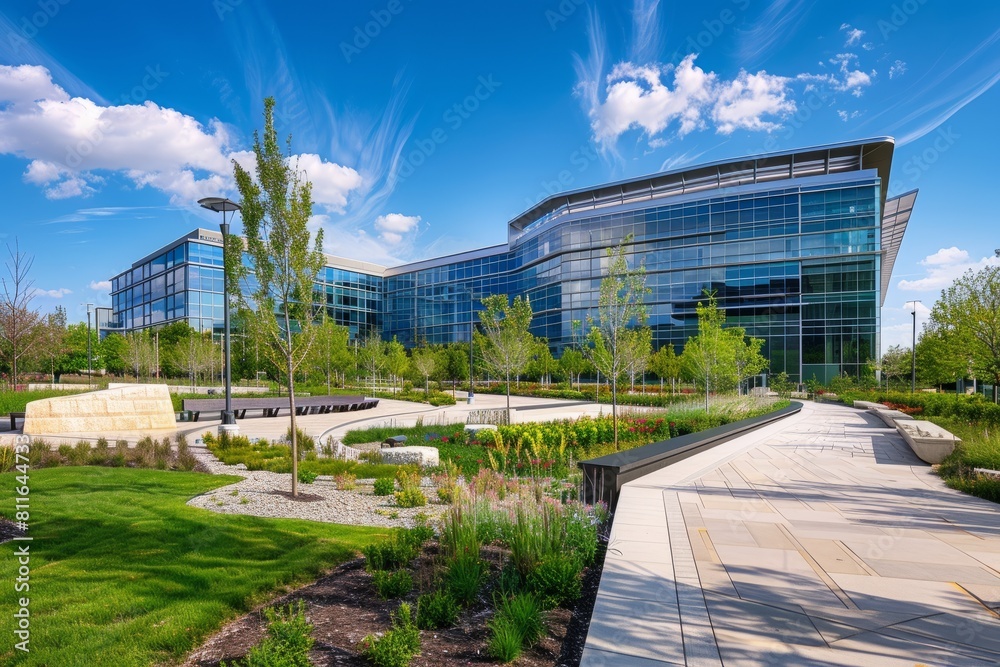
{"x": 944, "y": 267}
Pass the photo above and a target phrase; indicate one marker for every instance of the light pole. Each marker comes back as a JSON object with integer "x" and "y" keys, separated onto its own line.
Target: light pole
{"x": 472, "y": 336}
{"x": 222, "y": 205}
{"x": 90, "y": 370}
{"x": 913, "y": 350}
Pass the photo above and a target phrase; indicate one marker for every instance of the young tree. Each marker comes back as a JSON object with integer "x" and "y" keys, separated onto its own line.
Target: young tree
{"x": 53, "y": 340}
{"x": 371, "y": 356}
{"x": 20, "y": 324}
{"x": 747, "y": 359}
{"x": 940, "y": 360}
{"x": 895, "y": 364}
{"x": 637, "y": 353}
{"x": 666, "y": 365}
{"x": 708, "y": 358}
{"x": 331, "y": 354}
{"x": 396, "y": 361}
{"x": 276, "y": 209}
{"x": 619, "y": 307}
{"x": 425, "y": 362}
{"x": 506, "y": 343}
{"x": 542, "y": 363}
{"x": 139, "y": 352}
{"x": 968, "y": 316}
{"x": 114, "y": 352}
{"x": 573, "y": 363}
{"x": 454, "y": 364}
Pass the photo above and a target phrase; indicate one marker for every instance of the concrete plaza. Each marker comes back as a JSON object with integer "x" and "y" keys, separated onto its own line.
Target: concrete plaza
{"x": 818, "y": 540}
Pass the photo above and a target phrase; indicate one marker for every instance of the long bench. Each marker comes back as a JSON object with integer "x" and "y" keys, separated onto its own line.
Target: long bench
{"x": 270, "y": 407}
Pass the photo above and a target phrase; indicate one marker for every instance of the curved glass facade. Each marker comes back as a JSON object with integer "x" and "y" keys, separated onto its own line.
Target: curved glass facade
{"x": 791, "y": 244}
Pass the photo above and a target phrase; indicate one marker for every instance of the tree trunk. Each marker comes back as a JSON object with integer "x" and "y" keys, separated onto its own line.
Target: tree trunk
{"x": 508, "y": 396}
{"x": 291, "y": 406}
{"x": 614, "y": 408}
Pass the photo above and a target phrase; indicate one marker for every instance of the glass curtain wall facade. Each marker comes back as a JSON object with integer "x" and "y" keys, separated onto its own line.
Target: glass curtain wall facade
{"x": 183, "y": 282}
{"x": 792, "y": 245}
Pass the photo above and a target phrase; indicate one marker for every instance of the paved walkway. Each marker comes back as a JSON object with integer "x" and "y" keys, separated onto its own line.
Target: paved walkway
{"x": 818, "y": 540}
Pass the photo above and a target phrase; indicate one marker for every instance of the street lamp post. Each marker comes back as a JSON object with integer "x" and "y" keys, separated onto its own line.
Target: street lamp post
{"x": 222, "y": 205}
{"x": 90, "y": 370}
{"x": 913, "y": 350}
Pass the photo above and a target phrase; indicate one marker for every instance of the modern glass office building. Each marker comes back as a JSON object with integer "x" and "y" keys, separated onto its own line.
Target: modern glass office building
{"x": 797, "y": 246}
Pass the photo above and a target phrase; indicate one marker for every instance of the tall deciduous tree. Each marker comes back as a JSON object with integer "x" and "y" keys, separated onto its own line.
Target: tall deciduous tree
{"x": 425, "y": 362}
{"x": 573, "y": 363}
{"x": 371, "y": 356}
{"x": 284, "y": 257}
{"x": 396, "y": 361}
{"x": 20, "y": 323}
{"x": 895, "y": 364}
{"x": 968, "y": 316}
{"x": 621, "y": 315}
{"x": 506, "y": 342}
{"x": 940, "y": 359}
{"x": 331, "y": 355}
{"x": 53, "y": 343}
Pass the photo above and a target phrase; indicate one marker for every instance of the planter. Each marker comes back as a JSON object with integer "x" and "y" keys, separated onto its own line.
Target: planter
{"x": 423, "y": 456}
{"x": 890, "y": 417}
{"x": 928, "y": 441}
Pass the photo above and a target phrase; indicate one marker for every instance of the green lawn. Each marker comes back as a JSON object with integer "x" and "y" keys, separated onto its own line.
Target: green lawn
{"x": 124, "y": 573}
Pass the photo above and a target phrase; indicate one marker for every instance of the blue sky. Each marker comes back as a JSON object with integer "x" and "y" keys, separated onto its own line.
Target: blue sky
{"x": 426, "y": 126}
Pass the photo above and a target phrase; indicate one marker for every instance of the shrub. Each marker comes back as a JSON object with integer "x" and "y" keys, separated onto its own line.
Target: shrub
{"x": 80, "y": 456}
{"x": 346, "y": 481}
{"x": 557, "y": 580}
{"x": 37, "y": 451}
{"x": 464, "y": 577}
{"x": 143, "y": 455}
{"x": 411, "y": 497}
{"x": 100, "y": 453}
{"x": 287, "y": 642}
{"x": 505, "y": 640}
{"x": 7, "y": 458}
{"x": 397, "y": 551}
{"x": 525, "y": 612}
{"x": 392, "y": 584}
{"x": 66, "y": 451}
{"x": 306, "y": 443}
{"x": 436, "y": 611}
{"x": 161, "y": 453}
{"x": 185, "y": 459}
{"x": 397, "y": 646}
{"x": 307, "y": 476}
{"x": 384, "y": 486}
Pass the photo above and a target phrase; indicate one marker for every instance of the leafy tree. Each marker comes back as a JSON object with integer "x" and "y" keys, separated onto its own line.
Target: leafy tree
{"x": 967, "y": 316}
{"x": 709, "y": 358}
{"x": 454, "y": 364}
{"x": 542, "y": 363}
{"x": 396, "y": 361}
{"x": 139, "y": 353}
{"x": 20, "y": 323}
{"x": 666, "y": 365}
{"x": 53, "y": 340}
{"x": 276, "y": 209}
{"x": 371, "y": 356}
{"x": 637, "y": 353}
{"x": 331, "y": 354}
{"x": 573, "y": 363}
{"x": 425, "y": 362}
{"x": 114, "y": 352}
{"x": 782, "y": 385}
{"x": 747, "y": 359}
{"x": 620, "y": 306}
{"x": 896, "y": 364}
{"x": 74, "y": 349}
{"x": 506, "y": 342}
{"x": 940, "y": 358}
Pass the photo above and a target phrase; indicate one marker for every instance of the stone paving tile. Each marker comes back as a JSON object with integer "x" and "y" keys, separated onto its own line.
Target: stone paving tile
{"x": 818, "y": 540}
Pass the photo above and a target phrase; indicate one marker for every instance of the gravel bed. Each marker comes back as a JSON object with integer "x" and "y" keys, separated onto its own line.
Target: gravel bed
{"x": 254, "y": 495}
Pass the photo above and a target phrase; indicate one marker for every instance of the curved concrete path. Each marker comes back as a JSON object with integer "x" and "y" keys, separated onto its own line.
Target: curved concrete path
{"x": 818, "y": 540}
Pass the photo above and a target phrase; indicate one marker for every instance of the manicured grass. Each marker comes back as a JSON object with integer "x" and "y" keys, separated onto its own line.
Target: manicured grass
{"x": 14, "y": 401}
{"x": 124, "y": 573}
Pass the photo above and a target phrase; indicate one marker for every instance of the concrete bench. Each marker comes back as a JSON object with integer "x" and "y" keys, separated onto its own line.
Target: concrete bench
{"x": 931, "y": 443}
{"x": 423, "y": 456}
{"x": 890, "y": 417}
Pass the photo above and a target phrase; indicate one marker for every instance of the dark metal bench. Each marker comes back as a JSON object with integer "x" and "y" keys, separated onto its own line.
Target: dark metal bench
{"x": 395, "y": 441}
{"x": 13, "y": 417}
{"x": 271, "y": 407}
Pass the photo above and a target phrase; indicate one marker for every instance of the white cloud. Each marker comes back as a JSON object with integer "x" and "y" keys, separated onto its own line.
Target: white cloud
{"x": 393, "y": 226}
{"x": 850, "y": 79}
{"x": 847, "y": 115}
{"x": 898, "y": 68}
{"x": 54, "y": 293}
{"x": 69, "y": 139}
{"x": 868, "y": 46}
{"x": 100, "y": 285}
{"x": 944, "y": 267}
{"x": 652, "y": 97}
{"x": 851, "y": 35}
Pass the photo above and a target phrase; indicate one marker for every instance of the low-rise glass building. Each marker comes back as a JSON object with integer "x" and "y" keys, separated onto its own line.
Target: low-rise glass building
{"x": 797, "y": 246}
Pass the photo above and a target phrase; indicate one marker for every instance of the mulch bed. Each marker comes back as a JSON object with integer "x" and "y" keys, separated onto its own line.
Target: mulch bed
{"x": 343, "y": 608}
{"x": 301, "y": 498}
{"x": 9, "y": 530}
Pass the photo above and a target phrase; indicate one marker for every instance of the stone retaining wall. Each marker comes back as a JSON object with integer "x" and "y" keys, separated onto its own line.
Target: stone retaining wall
{"x": 143, "y": 407}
